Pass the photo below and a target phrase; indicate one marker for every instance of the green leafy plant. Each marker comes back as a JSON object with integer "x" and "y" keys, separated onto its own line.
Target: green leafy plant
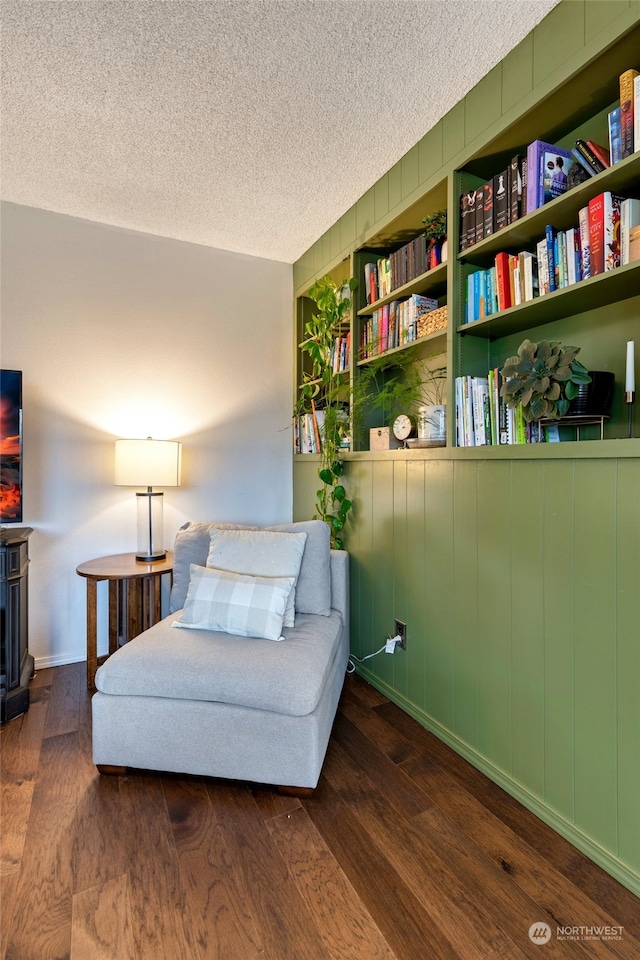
{"x": 435, "y": 226}
{"x": 542, "y": 379}
{"x": 396, "y": 384}
{"x": 326, "y": 387}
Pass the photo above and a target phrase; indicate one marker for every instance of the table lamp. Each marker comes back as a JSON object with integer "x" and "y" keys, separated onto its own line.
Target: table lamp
{"x": 148, "y": 463}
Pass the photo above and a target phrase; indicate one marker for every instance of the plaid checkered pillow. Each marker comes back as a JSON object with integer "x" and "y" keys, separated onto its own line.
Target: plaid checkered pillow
{"x": 233, "y": 603}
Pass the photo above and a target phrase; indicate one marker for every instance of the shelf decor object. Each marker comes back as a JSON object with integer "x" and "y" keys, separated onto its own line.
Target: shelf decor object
{"x": 149, "y": 463}
{"x": 630, "y": 385}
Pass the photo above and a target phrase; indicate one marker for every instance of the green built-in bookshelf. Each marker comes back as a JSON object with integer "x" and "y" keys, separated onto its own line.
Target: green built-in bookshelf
{"x": 516, "y": 568}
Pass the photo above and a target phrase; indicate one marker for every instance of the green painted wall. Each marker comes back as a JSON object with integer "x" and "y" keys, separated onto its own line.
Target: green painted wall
{"x": 516, "y": 571}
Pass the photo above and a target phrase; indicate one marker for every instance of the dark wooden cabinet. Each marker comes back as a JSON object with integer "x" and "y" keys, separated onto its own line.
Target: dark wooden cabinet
{"x": 16, "y": 666}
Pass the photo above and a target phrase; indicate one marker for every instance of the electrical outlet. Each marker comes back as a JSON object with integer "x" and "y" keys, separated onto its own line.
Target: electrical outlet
{"x": 401, "y": 631}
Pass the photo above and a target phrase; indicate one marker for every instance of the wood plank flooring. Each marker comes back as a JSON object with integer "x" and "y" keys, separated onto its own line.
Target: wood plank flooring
{"x": 404, "y": 852}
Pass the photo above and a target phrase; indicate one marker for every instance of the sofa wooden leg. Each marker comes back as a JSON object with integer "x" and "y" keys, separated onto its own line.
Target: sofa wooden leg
{"x": 110, "y": 770}
{"x": 303, "y": 793}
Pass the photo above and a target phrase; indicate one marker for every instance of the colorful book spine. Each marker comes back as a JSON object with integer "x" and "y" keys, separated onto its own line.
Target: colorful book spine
{"x": 604, "y": 232}
{"x": 615, "y": 139}
{"x": 629, "y": 218}
{"x": 584, "y": 163}
{"x": 600, "y": 152}
{"x": 547, "y": 166}
{"x": 550, "y": 234}
{"x": 583, "y": 147}
{"x": 585, "y": 243}
{"x": 487, "y": 207}
{"x": 500, "y": 201}
{"x": 515, "y": 188}
{"x": 627, "y": 111}
{"x": 543, "y": 267}
{"x": 503, "y": 289}
{"x": 636, "y": 113}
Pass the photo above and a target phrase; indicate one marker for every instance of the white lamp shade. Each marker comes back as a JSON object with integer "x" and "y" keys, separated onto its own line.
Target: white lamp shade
{"x": 148, "y": 463}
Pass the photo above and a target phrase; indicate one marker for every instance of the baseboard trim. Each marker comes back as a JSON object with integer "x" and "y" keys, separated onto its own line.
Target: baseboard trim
{"x": 41, "y": 663}
{"x": 611, "y": 864}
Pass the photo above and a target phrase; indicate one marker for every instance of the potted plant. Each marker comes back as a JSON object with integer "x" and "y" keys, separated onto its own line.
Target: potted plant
{"x": 324, "y": 385}
{"x": 398, "y": 384}
{"x": 435, "y": 230}
{"x": 542, "y": 379}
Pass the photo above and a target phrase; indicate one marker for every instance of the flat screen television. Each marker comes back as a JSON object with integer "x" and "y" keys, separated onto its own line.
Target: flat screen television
{"x": 10, "y": 446}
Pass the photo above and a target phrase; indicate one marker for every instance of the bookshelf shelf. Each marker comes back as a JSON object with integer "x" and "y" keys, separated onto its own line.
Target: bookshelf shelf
{"x": 562, "y": 213}
{"x": 433, "y": 281}
{"x": 602, "y": 290}
{"x": 438, "y": 340}
{"x": 598, "y": 314}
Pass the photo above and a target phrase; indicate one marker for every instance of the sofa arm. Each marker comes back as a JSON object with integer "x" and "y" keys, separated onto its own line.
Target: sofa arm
{"x": 340, "y": 587}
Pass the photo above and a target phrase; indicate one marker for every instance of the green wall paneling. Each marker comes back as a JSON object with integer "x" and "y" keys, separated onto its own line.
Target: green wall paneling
{"x": 430, "y": 153}
{"x": 525, "y": 522}
{"x": 558, "y": 37}
{"x": 439, "y": 553}
{"x": 399, "y": 571}
{"x": 517, "y": 74}
{"x": 558, "y": 640}
{"x": 594, "y": 601}
{"x": 464, "y": 614}
{"x": 525, "y": 660}
{"x": 628, "y": 658}
{"x": 598, "y": 15}
{"x": 495, "y": 568}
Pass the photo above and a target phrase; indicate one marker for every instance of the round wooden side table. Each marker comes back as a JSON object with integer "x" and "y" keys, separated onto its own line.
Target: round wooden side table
{"x": 134, "y": 600}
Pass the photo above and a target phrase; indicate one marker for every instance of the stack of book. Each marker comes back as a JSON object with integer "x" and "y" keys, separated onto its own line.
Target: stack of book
{"x": 307, "y": 432}
{"x": 483, "y": 418}
{"x": 341, "y": 354}
{"x": 393, "y": 325}
{"x": 624, "y": 120}
{"x": 601, "y": 241}
{"x": 491, "y": 206}
{"x": 400, "y": 267}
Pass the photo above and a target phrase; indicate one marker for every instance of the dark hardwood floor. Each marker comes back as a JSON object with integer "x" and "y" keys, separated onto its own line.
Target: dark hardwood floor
{"x": 404, "y": 851}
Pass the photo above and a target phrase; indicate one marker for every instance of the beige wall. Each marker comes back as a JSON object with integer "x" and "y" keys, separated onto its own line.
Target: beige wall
{"x": 122, "y": 334}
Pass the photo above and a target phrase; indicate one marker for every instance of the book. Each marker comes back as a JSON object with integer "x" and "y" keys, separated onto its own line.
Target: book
{"x": 514, "y": 186}
{"x": 600, "y": 152}
{"x": 585, "y": 245}
{"x": 582, "y": 146}
{"x": 543, "y": 267}
{"x": 546, "y": 174}
{"x": 467, "y": 214}
{"x": 636, "y": 113}
{"x": 487, "y": 206}
{"x": 479, "y": 211}
{"x": 503, "y": 288}
{"x": 615, "y": 139}
{"x": 529, "y": 268}
{"x": 584, "y": 163}
{"x": 627, "y": 111}
{"x": 500, "y": 201}
{"x": 629, "y": 218}
{"x": 550, "y": 234}
{"x": 604, "y": 232}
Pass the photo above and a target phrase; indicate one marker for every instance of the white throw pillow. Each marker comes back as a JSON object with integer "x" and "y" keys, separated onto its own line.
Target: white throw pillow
{"x": 261, "y": 553}
{"x": 233, "y": 603}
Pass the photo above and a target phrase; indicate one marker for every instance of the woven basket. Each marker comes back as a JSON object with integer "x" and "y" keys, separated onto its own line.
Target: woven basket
{"x": 432, "y": 322}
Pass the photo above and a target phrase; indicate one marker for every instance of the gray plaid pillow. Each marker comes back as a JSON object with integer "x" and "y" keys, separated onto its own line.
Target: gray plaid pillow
{"x": 238, "y": 604}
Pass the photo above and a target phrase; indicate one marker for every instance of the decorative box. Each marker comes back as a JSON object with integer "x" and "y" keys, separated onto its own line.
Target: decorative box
{"x": 382, "y": 438}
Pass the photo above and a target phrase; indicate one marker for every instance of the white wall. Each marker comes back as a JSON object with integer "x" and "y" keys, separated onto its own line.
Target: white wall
{"x": 123, "y": 334}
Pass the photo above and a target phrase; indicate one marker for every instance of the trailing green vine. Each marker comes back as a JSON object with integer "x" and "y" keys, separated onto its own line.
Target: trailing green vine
{"x": 323, "y": 390}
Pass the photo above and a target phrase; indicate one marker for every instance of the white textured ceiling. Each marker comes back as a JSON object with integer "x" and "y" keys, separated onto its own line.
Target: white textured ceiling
{"x": 248, "y": 125}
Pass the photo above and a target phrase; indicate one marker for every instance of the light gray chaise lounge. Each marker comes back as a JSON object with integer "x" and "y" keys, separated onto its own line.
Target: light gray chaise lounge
{"x": 204, "y": 702}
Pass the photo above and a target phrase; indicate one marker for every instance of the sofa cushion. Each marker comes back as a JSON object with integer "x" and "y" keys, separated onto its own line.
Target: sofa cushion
{"x": 192, "y": 546}
{"x": 261, "y": 553}
{"x": 313, "y": 589}
{"x": 235, "y": 603}
{"x": 287, "y": 677}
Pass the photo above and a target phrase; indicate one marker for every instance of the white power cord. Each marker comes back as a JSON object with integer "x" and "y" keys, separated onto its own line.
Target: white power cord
{"x": 389, "y": 647}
